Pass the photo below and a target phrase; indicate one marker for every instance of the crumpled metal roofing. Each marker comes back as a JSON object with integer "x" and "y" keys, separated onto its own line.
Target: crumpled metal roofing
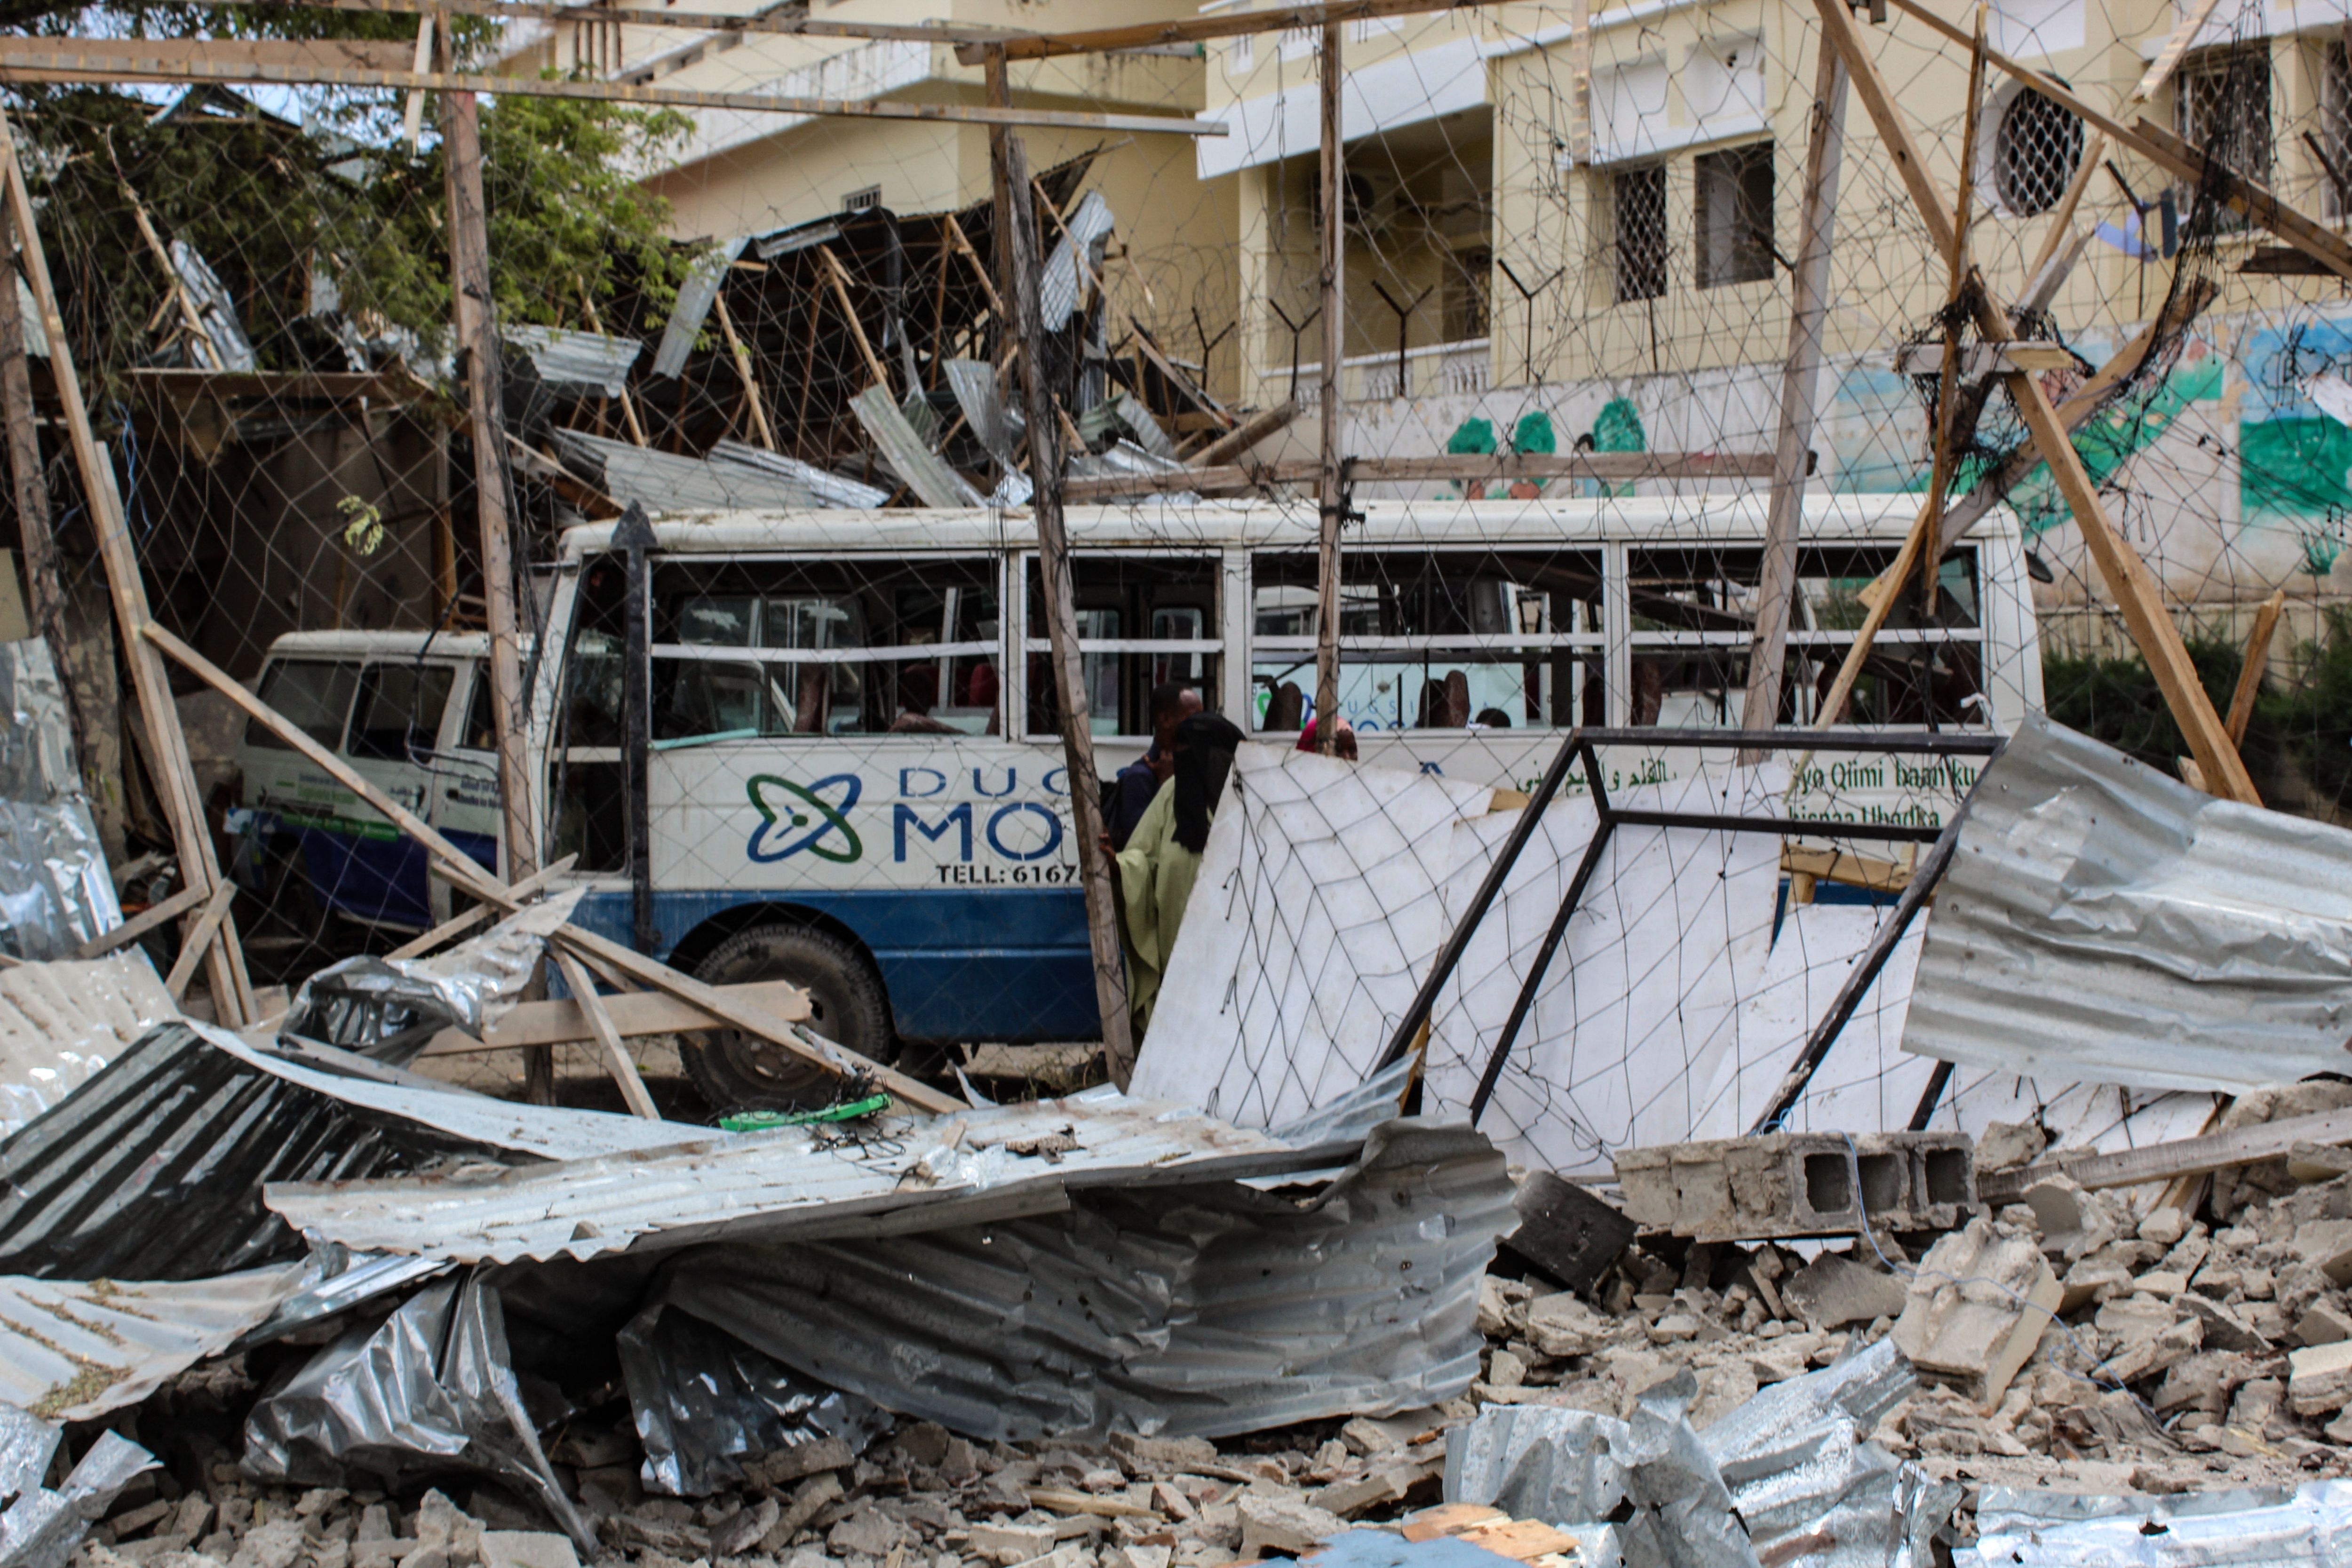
{"x": 2104, "y": 923}
{"x": 2244, "y": 1526}
{"x": 904, "y": 1173}
{"x": 584, "y": 360}
{"x": 692, "y": 307}
{"x": 829, "y": 487}
{"x": 56, "y": 892}
{"x": 215, "y": 308}
{"x": 1064, "y": 281}
{"x": 63, "y": 1021}
{"x": 666, "y": 482}
{"x": 1203, "y": 1307}
{"x": 908, "y": 453}
{"x": 155, "y": 1168}
{"x": 71, "y": 1349}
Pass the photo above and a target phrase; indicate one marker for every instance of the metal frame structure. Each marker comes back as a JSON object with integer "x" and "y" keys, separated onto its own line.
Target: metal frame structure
{"x": 1584, "y": 743}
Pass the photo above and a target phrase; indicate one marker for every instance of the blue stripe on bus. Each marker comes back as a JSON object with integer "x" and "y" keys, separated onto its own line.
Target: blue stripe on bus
{"x": 1010, "y": 964}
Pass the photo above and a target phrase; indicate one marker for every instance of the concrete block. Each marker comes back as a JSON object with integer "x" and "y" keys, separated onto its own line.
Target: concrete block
{"x": 2148, "y": 1356}
{"x": 1978, "y": 1307}
{"x": 1570, "y": 1235}
{"x": 1286, "y": 1526}
{"x": 2323, "y": 1325}
{"x": 1831, "y": 1292}
{"x": 1560, "y": 1325}
{"x": 1161, "y": 1455}
{"x": 2072, "y": 1222}
{"x": 2006, "y": 1144}
{"x": 2164, "y": 1226}
{"x": 2319, "y": 1378}
{"x": 780, "y": 1465}
{"x": 1010, "y": 1543}
{"x": 1800, "y": 1184}
{"x": 2224, "y": 1329}
{"x": 530, "y": 1549}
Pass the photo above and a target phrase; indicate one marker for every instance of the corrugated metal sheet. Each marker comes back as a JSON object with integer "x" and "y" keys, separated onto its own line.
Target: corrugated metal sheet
{"x": 992, "y": 424}
{"x": 1206, "y": 1309}
{"x": 56, "y": 892}
{"x": 587, "y": 361}
{"x": 906, "y": 1173}
{"x": 1121, "y": 456}
{"x": 215, "y": 308}
{"x": 909, "y": 456}
{"x": 1148, "y": 432}
{"x": 155, "y": 1168}
{"x": 71, "y": 1350}
{"x": 2236, "y": 1526}
{"x": 62, "y": 1022}
{"x": 1059, "y": 288}
{"x": 693, "y": 306}
{"x": 663, "y": 482}
{"x": 2104, "y": 923}
{"x": 829, "y": 487}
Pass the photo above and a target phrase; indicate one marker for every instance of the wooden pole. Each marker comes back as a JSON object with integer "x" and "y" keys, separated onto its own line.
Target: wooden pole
{"x": 1948, "y": 384}
{"x": 175, "y": 778}
{"x": 1333, "y": 483}
{"x": 44, "y": 589}
{"x": 2250, "y": 673}
{"x": 478, "y": 353}
{"x": 742, "y": 358}
{"x": 1016, "y": 239}
{"x": 1767, "y": 648}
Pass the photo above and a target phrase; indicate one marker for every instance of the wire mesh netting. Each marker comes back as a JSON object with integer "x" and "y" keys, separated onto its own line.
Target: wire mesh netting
{"x": 1571, "y": 242}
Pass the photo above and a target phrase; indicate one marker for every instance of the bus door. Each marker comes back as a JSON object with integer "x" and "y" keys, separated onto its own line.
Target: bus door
{"x": 395, "y": 743}
{"x": 463, "y": 795}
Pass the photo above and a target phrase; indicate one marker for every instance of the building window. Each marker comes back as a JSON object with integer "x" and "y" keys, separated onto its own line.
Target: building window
{"x": 2335, "y": 130}
{"x": 862, "y": 201}
{"x": 2036, "y": 148}
{"x": 2223, "y": 105}
{"x": 1243, "y": 53}
{"x": 1469, "y": 297}
{"x": 1639, "y": 197}
{"x": 1735, "y": 215}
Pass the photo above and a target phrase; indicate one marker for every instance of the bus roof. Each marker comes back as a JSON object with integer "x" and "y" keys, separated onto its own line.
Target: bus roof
{"x": 365, "y": 645}
{"x": 1212, "y": 524}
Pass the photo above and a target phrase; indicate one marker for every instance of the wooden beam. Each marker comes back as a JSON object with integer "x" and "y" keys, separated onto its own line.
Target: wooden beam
{"x": 107, "y": 55}
{"x": 183, "y": 385}
{"x": 1018, "y": 262}
{"x": 2169, "y": 153}
{"x": 741, "y": 357}
{"x": 1331, "y": 478}
{"x": 839, "y": 277}
{"x": 2249, "y": 670}
{"x": 1467, "y": 467}
{"x": 478, "y": 347}
{"x": 2166, "y": 1161}
{"x": 174, "y": 775}
{"x": 139, "y": 924}
{"x": 632, "y": 1014}
{"x": 2139, "y": 597}
{"x": 602, "y": 952}
{"x": 1902, "y": 148}
{"x": 1767, "y": 648}
{"x": 1231, "y": 25}
{"x": 1978, "y": 361}
{"x": 43, "y": 587}
{"x": 450, "y": 930}
{"x": 591, "y": 1007}
{"x": 788, "y": 20}
{"x": 199, "y": 939}
{"x": 1249, "y": 433}
{"x": 58, "y": 60}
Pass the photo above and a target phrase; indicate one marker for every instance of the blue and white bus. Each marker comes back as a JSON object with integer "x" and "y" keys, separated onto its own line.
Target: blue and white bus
{"x": 855, "y": 782}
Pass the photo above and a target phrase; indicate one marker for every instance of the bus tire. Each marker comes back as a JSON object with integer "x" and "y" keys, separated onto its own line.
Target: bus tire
{"x": 736, "y": 1071}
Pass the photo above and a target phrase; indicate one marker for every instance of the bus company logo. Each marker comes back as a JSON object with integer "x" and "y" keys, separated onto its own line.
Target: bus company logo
{"x": 811, "y": 817}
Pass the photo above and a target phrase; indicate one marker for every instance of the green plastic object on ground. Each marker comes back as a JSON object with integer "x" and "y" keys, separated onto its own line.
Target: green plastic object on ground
{"x": 763, "y": 1121}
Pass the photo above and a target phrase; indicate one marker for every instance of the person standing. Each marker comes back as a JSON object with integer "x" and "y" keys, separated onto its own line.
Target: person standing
{"x": 1172, "y": 703}
{"x": 1156, "y": 872}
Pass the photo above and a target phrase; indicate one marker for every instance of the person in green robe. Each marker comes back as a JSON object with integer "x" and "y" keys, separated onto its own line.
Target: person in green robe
{"x": 1156, "y": 870}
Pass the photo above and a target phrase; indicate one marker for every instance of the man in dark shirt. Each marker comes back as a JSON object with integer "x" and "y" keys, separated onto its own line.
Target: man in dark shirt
{"x": 1172, "y": 703}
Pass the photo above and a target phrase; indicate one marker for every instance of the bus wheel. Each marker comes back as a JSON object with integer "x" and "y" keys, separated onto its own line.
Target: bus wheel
{"x": 736, "y": 1071}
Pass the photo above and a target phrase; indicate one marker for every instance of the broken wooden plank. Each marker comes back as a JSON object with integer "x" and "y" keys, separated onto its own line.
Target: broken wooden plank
{"x": 450, "y": 930}
{"x": 1249, "y": 433}
{"x": 2166, "y": 1161}
{"x": 632, "y": 1014}
{"x": 1978, "y": 360}
{"x": 139, "y": 924}
{"x": 2249, "y": 669}
{"x": 590, "y": 1007}
{"x": 199, "y": 939}
{"x": 107, "y": 56}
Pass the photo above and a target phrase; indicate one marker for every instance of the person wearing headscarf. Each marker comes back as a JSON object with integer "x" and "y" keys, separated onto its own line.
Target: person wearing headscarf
{"x": 1162, "y": 858}
{"x": 1343, "y": 744}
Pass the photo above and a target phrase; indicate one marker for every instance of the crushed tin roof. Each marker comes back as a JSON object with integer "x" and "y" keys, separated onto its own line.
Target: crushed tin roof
{"x": 899, "y": 1173}
{"x": 73, "y": 1348}
{"x": 587, "y": 361}
{"x": 732, "y": 477}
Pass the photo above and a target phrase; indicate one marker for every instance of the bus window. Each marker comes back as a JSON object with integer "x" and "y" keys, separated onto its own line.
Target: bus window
{"x": 1143, "y": 620}
{"x": 399, "y": 716}
{"x": 590, "y": 803}
{"x": 846, "y": 647}
{"x": 314, "y": 693}
{"x": 1434, "y": 639}
{"x": 1694, "y": 611}
{"x": 482, "y": 731}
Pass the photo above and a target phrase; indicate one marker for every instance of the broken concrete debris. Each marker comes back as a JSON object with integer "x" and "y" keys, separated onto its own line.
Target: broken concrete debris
{"x": 1800, "y": 1184}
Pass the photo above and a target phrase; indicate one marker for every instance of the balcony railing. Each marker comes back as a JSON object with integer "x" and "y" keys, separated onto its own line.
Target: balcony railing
{"x": 1436, "y": 370}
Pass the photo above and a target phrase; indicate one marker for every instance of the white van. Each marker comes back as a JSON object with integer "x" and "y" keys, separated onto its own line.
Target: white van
{"x": 856, "y": 784}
